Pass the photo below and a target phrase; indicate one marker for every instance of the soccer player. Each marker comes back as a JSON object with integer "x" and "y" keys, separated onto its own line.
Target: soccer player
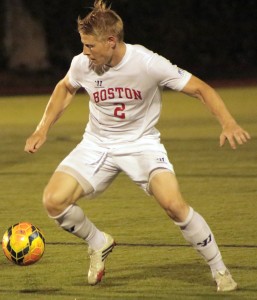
{"x": 124, "y": 83}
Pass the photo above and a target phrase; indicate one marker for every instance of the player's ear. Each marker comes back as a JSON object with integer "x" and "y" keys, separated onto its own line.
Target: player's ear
{"x": 112, "y": 40}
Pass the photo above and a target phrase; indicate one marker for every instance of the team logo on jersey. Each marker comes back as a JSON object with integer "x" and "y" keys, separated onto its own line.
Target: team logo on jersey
{"x": 116, "y": 93}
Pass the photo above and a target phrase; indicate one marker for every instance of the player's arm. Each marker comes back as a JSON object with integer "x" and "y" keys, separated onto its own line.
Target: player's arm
{"x": 59, "y": 100}
{"x": 231, "y": 131}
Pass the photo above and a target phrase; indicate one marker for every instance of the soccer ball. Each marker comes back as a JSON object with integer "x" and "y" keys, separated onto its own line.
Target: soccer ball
{"x": 23, "y": 244}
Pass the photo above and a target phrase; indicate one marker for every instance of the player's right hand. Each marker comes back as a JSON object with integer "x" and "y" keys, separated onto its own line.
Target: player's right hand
{"x": 34, "y": 142}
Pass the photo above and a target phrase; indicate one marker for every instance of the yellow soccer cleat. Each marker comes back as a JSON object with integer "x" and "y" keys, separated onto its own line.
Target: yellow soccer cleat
{"x": 97, "y": 260}
{"x": 225, "y": 282}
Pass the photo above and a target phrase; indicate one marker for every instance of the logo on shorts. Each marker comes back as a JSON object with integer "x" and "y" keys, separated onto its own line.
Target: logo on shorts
{"x": 160, "y": 159}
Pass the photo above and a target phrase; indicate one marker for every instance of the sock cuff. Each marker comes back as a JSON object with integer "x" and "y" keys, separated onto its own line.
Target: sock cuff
{"x": 62, "y": 213}
{"x": 188, "y": 218}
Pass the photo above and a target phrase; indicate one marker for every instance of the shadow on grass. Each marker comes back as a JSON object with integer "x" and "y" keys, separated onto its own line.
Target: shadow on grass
{"x": 45, "y": 291}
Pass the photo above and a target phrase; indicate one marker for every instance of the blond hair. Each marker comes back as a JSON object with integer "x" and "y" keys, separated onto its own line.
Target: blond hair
{"x": 101, "y": 22}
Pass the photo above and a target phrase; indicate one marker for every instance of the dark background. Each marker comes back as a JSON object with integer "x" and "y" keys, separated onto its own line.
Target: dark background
{"x": 214, "y": 39}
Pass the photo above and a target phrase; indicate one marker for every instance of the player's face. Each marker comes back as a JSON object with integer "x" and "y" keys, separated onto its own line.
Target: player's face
{"x": 100, "y": 52}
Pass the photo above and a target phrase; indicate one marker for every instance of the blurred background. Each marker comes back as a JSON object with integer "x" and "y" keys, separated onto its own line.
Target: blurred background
{"x": 214, "y": 39}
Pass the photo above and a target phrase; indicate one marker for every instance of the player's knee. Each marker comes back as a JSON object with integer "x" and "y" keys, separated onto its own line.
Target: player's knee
{"x": 54, "y": 202}
{"x": 177, "y": 210}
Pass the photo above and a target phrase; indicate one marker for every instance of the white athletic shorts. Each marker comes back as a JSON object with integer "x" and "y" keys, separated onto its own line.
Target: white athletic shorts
{"x": 89, "y": 163}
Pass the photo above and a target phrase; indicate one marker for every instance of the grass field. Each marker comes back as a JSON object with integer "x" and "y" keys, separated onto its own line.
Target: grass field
{"x": 152, "y": 260}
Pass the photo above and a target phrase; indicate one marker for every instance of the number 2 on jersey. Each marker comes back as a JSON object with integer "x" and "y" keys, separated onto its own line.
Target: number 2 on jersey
{"x": 118, "y": 111}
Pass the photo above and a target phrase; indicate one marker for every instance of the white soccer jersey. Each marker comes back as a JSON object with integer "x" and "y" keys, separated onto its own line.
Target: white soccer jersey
{"x": 125, "y": 101}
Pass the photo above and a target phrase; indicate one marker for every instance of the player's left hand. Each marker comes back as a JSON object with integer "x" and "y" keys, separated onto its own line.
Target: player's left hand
{"x": 234, "y": 134}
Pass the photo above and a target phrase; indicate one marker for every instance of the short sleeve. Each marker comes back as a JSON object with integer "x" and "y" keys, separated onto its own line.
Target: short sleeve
{"x": 74, "y": 72}
{"x": 166, "y": 74}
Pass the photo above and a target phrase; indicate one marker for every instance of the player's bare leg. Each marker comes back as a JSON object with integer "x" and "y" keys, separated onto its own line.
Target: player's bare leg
{"x": 165, "y": 188}
{"x": 60, "y": 197}
{"x": 61, "y": 191}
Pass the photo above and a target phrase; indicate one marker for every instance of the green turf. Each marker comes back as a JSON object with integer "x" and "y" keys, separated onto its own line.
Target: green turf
{"x": 151, "y": 261}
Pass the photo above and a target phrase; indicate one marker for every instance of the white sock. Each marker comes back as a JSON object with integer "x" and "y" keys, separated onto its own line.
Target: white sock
{"x": 73, "y": 220}
{"x": 197, "y": 232}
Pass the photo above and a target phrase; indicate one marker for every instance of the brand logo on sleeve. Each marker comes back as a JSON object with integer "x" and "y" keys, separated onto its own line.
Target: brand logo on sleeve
{"x": 181, "y": 71}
